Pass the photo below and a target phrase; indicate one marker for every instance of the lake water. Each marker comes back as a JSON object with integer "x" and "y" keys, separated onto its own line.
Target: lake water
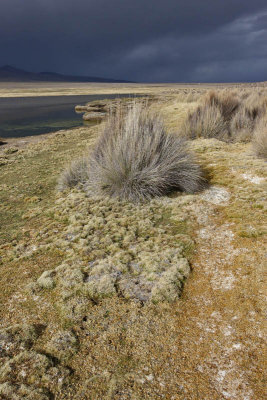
{"x": 27, "y": 116}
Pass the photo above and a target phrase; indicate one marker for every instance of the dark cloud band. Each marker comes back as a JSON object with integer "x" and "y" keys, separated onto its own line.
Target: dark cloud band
{"x": 159, "y": 40}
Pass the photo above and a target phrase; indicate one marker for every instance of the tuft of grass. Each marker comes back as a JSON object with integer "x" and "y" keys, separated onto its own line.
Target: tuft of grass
{"x": 135, "y": 159}
{"x": 206, "y": 121}
{"x": 75, "y": 174}
{"x": 242, "y": 125}
{"x": 259, "y": 141}
{"x": 251, "y": 112}
{"x": 211, "y": 118}
{"x": 226, "y": 102}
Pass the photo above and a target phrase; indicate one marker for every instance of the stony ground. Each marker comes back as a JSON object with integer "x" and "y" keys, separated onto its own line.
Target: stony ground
{"x": 108, "y": 300}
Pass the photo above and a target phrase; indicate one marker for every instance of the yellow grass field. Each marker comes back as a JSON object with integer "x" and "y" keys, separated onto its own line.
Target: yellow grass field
{"x": 21, "y": 89}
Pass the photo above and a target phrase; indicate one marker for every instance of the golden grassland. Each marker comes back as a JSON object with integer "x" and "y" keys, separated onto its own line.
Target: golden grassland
{"x": 25, "y": 89}
{"x": 66, "y": 338}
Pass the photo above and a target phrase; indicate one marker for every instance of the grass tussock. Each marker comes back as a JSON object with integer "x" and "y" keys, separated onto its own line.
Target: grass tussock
{"x": 227, "y": 115}
{"x": 76, "y": 174}
{"x": 227, "y": 103}
{"x": 135, "y": 159}
{"x": 211, "y": 118}
{"x": 206, "y": 121}
{"x": 259, "y": 141}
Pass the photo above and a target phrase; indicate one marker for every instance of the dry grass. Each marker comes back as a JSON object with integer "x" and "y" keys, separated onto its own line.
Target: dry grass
{"x": 206, "y": 121}
{"x": 226, "y": 102}
{"x": 75, "y": 174}
{"x": 259, "y": 141}
{"x": 135, "y": 159}
{"x": 242, "y": 124}
{"x": 249, "y": 114}
{"x": 227, "y": 115}
{"x": 211, "y": 118}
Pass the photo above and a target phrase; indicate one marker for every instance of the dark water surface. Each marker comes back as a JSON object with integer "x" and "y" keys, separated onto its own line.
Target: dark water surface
{"x": 27, "y": 116}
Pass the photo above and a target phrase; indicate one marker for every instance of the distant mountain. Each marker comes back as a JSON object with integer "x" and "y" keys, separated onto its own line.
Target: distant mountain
{"x": 12, "y": 74}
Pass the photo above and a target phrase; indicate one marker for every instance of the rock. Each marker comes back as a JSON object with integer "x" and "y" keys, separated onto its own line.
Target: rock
{"x": 92, "y": 108}
{"x": 81, "y": 109}
{"x": 96, "y": 109}
{"x": 97, "y": 106}
{"x": 94, "y": 116}
{"x": 98, "y": 103}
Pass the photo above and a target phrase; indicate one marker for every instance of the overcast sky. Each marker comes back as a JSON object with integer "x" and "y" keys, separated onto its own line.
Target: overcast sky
{"x": 140, "y": 40}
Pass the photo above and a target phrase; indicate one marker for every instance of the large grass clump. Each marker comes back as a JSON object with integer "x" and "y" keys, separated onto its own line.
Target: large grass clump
{"x": 259, "y": 140}
{"x": 226, "y": 115}
{"x": 135, "y": 159}
{"x": 250, "y": 113}
{"x": 212, "y": 118}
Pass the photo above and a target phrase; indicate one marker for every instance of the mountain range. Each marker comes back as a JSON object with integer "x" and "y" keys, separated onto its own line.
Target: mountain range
{"x": 12, "y": 74}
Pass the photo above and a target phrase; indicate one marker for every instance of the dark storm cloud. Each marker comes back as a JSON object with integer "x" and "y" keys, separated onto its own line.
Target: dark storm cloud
{"x": 148, "y": 40}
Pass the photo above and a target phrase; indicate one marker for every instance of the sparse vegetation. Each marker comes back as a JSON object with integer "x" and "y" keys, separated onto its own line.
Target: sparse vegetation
{"x": 136, "y": 159}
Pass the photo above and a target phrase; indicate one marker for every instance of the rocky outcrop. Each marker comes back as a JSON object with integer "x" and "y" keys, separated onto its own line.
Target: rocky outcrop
{"x": 94, "y": 116}
{"x": 94, "y": 111}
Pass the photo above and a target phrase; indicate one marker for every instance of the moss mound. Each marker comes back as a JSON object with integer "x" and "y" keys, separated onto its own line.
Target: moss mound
{"x": 116, "y": 248}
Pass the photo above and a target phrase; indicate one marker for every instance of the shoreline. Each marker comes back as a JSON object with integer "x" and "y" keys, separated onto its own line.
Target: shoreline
{"x": 22, "y": 142}
{"x": 21, "y": 118}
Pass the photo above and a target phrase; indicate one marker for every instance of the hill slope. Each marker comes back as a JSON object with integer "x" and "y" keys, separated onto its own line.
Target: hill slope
{"x": 9, "y": 73}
